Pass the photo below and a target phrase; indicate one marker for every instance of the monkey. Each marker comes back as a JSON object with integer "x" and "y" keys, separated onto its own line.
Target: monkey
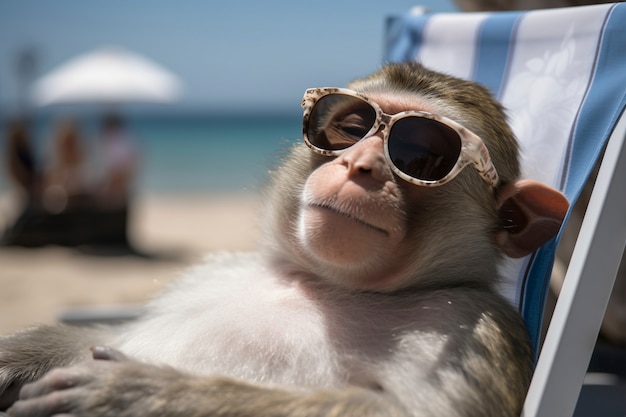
{"x": 372, "y": 293}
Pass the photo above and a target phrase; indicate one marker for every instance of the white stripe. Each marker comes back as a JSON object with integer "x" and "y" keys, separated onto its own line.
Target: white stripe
{"x": 549, "y": 75}
{"x": 449, "y": 43}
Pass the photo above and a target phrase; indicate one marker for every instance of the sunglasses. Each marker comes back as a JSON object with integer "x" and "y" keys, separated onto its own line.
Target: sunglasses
{"x": 421, "y": 148}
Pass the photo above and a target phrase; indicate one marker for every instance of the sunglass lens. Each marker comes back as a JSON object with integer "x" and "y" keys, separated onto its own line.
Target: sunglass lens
{"x": 337, "y": 121}
{"x": 423, "y": 148}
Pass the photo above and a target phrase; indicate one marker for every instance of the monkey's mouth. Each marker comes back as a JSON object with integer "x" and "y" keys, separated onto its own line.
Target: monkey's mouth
{"x": 349, "y": 216}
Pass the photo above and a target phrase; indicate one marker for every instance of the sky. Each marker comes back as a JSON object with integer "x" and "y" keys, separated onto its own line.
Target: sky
{"x": 230, "y": 55}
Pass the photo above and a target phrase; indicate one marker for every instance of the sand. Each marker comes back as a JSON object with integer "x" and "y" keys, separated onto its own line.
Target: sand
{"x": 37, "y": 285}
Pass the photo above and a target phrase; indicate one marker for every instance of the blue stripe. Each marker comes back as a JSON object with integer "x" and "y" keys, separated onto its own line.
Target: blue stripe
{"x": 604, "y": 103}
{"x": 403, "y": 37}
{"x": 493, "y": 53}
{"x": 535, "y": 291}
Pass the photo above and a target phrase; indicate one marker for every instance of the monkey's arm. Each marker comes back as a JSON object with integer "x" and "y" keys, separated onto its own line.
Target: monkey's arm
{"x": 28, "y": 355}
{"x": 125, "y": 388}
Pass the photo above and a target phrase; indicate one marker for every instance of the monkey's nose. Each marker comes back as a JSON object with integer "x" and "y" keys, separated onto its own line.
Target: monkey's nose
{"x": 367, "y": 157}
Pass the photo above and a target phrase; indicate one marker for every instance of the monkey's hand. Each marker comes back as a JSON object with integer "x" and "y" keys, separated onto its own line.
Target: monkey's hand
{"x": 115, "y": 386}
{"x": 109, "y": 385}
{"x": 28, "y": 355}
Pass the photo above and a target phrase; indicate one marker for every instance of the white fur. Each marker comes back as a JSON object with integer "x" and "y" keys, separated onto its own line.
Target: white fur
{"x": 233, "y": 316}
{"x": 230, "y": 316}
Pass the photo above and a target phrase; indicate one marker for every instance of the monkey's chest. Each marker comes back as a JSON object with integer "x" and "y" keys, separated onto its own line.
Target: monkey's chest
{"x": 260, "y": 332}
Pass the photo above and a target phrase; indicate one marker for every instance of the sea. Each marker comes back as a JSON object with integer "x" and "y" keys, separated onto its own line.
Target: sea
{"x": 192, "y": 152}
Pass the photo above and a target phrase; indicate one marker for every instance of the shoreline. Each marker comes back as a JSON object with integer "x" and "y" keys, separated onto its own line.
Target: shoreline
{"x": 174, "y": 229}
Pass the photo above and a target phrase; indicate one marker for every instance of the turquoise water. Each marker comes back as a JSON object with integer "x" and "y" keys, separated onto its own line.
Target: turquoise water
{"x": 199, "y": 153}
{"x": 226, "y": 153}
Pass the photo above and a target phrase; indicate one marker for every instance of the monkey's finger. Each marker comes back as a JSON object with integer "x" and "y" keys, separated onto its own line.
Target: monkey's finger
{"x": 107, "y": 353}
{"x": 53, "y": 404}
{"x": 55, "y": 380}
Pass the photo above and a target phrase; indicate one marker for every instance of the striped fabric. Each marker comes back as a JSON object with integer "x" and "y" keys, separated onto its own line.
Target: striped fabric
{"x": 561, "y": 74}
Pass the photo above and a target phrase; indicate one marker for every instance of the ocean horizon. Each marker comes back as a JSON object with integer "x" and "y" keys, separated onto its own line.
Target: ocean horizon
{"x": 190, "y": 152}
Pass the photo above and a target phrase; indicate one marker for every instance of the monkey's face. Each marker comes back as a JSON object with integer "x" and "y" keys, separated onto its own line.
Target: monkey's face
{"x": 354, "y": 220}
{"x": 364, "y": 227}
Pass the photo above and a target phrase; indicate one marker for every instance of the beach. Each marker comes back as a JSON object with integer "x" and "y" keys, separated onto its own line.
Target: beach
{"x": 197, "y": 191}
{"x": 172, "y": 230}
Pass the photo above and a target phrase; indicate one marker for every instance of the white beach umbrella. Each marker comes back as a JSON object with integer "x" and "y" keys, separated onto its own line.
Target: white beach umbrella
{"x": 109, "y": 75}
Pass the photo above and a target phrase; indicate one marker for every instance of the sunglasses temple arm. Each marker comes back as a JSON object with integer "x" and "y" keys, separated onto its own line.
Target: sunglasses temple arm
{"x": 482, "y": 161}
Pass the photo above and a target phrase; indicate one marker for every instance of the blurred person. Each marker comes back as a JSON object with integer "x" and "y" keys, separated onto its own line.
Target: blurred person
{"x": 118, "y": 157}
{"x": 21, "y": 161}
{"x": 23, "y": 171}
{"x": 65, "y": 179}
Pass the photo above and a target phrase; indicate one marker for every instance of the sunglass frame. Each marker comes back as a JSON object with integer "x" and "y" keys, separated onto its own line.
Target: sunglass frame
{"x": 473, "y": 149}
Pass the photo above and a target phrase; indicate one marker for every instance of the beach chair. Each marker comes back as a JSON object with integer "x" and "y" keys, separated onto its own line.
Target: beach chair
{"x": 561, "y": 74}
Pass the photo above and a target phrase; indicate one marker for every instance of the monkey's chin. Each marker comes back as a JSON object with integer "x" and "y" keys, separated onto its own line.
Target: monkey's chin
{"x": 343, "y": 242}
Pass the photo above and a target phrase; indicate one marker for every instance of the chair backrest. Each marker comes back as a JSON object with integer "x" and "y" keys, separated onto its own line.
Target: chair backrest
{"x": 561, "y": 74}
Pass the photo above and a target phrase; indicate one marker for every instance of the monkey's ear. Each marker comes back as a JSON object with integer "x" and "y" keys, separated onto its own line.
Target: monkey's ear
{"x": 531, "y": 214}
